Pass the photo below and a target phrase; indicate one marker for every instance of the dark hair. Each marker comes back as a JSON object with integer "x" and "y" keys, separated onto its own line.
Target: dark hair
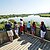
{"x": 29, "y": 21}
{"x": 21, "y": 20}
{"x": 42, "y": 23}
{"x": 33, "y": 23}
{"x": 15, "y": 22}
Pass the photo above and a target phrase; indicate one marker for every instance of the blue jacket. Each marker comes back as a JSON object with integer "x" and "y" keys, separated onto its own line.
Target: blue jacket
{"x": 8, "y": 27}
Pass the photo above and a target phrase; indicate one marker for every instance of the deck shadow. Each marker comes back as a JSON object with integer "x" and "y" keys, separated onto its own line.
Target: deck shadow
{"x": 26, "y": 38}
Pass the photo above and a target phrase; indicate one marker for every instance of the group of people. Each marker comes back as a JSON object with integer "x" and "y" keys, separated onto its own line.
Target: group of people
{"x": 22, "y": 28}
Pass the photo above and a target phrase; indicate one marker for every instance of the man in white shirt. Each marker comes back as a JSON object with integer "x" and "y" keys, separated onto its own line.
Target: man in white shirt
{"x": 21, "y": 26}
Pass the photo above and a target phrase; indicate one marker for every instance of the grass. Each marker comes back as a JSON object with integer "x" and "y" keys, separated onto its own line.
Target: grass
{"x": 43, "y": 14}
{"x": 1, "y": 26}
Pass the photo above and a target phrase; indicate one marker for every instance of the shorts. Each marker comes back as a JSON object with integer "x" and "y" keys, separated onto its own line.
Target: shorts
{"x": 16, "y": 32}
{"x": 29, "y": 29}
{"x": 42, "y": 33}
{"x": 10, "y": 33}
{"x": 33, "y": 30}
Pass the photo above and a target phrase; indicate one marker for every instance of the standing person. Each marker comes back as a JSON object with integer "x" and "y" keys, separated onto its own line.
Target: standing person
{"x": 9, "y": 31}
{"x": 28, "y": 27}
{"x": 24, "y": 27}
{"x": 21, "y": 26}
{"x": 16, "y": 29}
{"x": 33, "y": 28}
{"x": 43, "y": 30}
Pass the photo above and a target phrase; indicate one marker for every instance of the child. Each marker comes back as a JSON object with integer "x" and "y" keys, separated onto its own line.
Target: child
{"x": 28, "y": 27}
{"x": 16, "y": 28}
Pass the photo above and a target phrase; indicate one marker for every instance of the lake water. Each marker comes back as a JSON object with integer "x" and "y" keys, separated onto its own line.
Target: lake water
{"x": 33, "y": 18}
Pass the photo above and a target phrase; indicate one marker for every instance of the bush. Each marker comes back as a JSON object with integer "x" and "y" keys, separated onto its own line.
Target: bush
{"x": 11, "y": 20}
{"x": 2, "y": 26}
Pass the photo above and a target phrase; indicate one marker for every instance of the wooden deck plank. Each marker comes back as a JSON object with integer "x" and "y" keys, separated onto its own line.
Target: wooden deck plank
{"x": 37, "y": 47}
{"x": 26, "y": 42}
{"x": 33, "y": 44}
{"x": 22, "y": 47}
{"x": 47, "y": 46}
{"x": 27, "y": 47}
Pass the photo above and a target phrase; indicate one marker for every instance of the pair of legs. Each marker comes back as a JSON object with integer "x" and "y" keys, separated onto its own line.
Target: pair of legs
{"x": 33, "y": 33}
{"x": 28, "y": 30}
{"x": 42, "y": 36}
{"x": 10, "y": 35}
{"x": 16, "y": 33}
{"x": 11, "y": 38}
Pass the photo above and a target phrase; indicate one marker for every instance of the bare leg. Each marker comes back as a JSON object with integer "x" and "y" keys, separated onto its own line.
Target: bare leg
{"x": 32, "y": 33}
{"x": 41, "y": 40}
{"x": 11, "y": 38}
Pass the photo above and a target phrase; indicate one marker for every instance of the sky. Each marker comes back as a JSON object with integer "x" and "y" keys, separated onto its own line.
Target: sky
{"x": 24, "y": 6}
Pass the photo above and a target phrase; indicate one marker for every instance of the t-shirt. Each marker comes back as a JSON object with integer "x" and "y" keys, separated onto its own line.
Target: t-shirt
{"x": 43, "y": 28}
{"x": 8, "y": 26}
{"x": 21, "y": 23}
{"x": 15, "y": 26}
{"x": 34, "y": 27}
{"x": 28, "y": 25}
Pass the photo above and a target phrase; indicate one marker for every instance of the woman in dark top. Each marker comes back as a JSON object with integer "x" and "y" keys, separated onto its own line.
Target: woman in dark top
{"x": 43, "y": 30}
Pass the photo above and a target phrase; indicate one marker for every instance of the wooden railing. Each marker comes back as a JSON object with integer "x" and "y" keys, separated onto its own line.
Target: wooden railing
{"x": 47, "y": 36}
{"x": 4, "y": 37}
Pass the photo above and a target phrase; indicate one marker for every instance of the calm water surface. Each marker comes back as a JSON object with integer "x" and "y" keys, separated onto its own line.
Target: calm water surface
{"x": 29, "y": 18}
